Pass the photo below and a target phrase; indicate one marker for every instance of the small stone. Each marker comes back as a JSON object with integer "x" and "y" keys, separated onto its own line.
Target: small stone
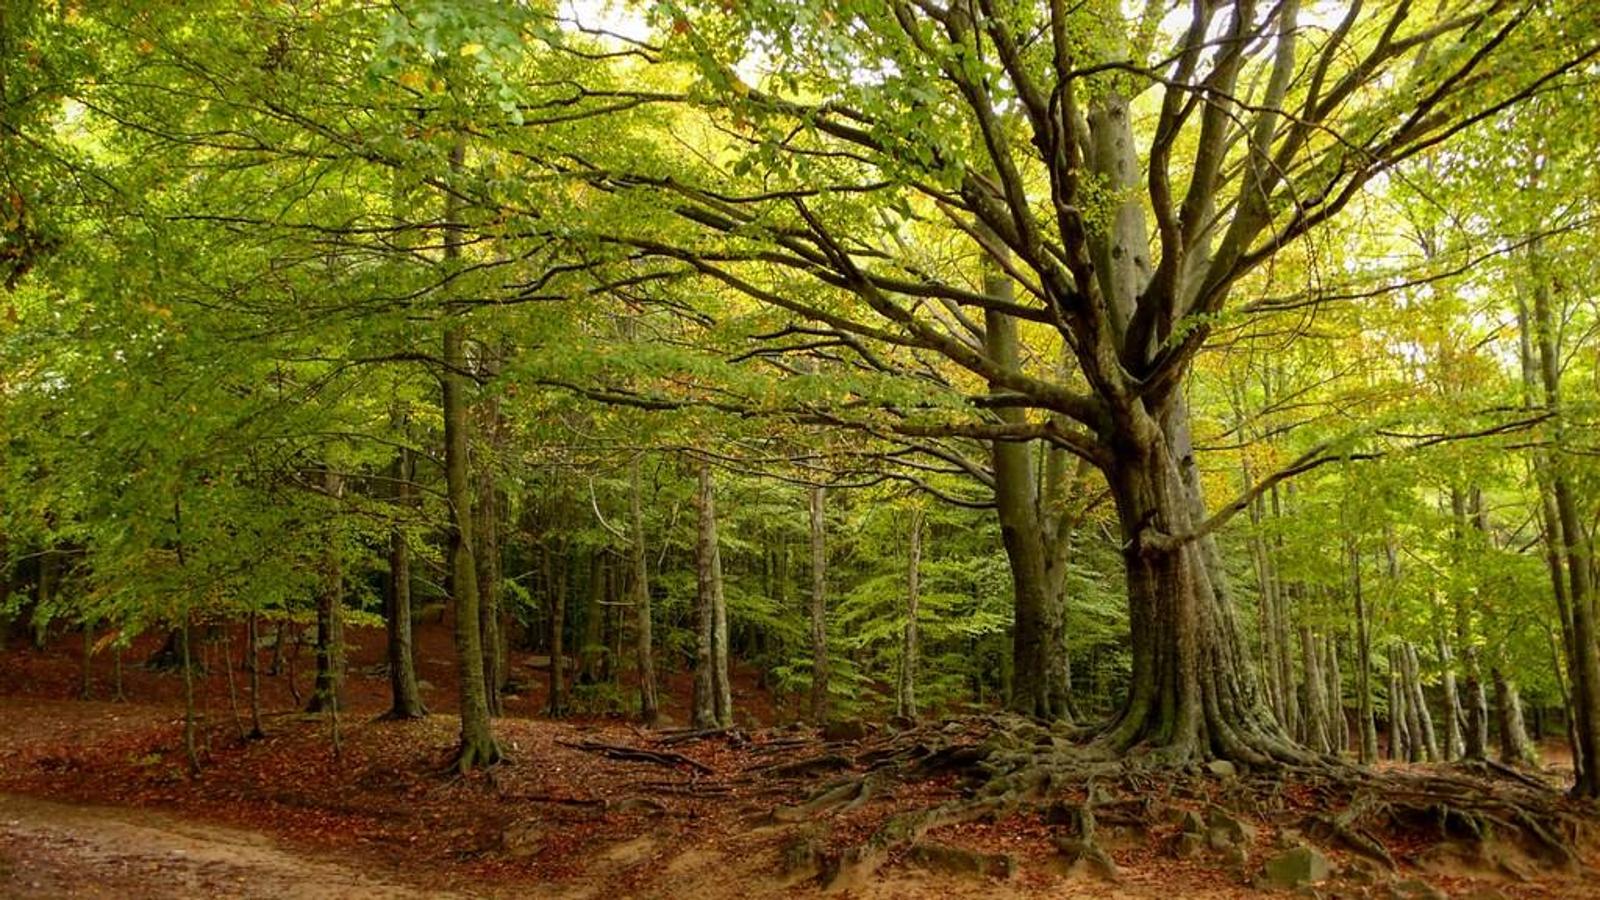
{"x": 1299, "y": 866}
{"x": 1192, "y": 822}
{"x": 1290, "y": 838}
{"x": 1235, "y": 856}
{"x": 1188, "y": 846}
{"x": 1222, "y": 768}
{"x": 424, "y": 685}
{"x": 844, "y": 730}
{"x": 953, "y": 728}
{"x": 1219, "y": 839}
{"x": 1239, "y": 831}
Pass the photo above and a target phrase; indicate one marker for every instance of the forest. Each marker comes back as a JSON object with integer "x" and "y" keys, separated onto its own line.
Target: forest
{"x": 747, "y": 448}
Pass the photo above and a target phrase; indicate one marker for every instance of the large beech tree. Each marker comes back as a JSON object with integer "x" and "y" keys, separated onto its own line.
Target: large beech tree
{"x": 1126, "y": 177}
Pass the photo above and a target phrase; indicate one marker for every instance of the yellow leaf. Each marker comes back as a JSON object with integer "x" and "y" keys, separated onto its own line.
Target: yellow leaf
{"x": 413, "y": 79}
{"x": 471, "y": 49}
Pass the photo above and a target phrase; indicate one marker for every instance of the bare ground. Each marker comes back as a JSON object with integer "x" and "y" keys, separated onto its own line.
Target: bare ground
{"x": 50, "y": 849}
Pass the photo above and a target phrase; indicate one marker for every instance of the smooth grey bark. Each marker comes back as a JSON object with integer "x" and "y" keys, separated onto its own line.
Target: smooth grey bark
{"x": 556, "y": 584}
{"x": 1515, "y": 747}
{"x": 252, "y": 642}
{"x": 644, "y": 638}
{"x": 328, "y": 688}
{"x": 478, "y": 747}
{"x": 405, "y": 696}
{"x": 486, "y": 530}
{"x": 1417, "y": 704}
{"x": 1368, "y": 746}
{"x": 1399, "y": 735}
{"x": 1316, "y": 714}
{"x": 1454, "y": 741}
{"x": 818, "y": 606}
{"x": 1032, "y": 536}
{"x": 1476, "y": 739}
{"x": 1575, "y": 552}
{"x": 712, "y": 703}
{"x": 1338, "y": 725}
{"x": 906, "y": 694}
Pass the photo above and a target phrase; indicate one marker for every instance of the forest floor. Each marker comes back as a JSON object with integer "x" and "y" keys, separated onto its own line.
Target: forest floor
{"x": 95, "y": 800}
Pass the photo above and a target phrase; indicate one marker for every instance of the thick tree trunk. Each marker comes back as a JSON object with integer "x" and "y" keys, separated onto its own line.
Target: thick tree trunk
{"x": 906, "y": 694}
{"x": 478, "y": 747}
{"x": 819, "y": 608}
{"x": 644, "y": 646}
{"x": 1515, "y": 747}
{"x": 1192, "y": 693}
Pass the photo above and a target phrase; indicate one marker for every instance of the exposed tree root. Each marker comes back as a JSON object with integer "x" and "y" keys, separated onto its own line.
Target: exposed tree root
{"x": 1005, "y": 766}
{"x": 638, "y": 754}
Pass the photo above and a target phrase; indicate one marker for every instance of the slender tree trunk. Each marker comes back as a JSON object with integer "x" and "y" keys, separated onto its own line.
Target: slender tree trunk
{"x": 486, "y": 539}
{"x": 721, "y": 665}
{"x": 906, "y": 696}
{"x": 1577, "y": 557}
{"x": 819, "y": 609}
{"x": 189, "y": 744}
{"x": 406, "y": 697}
{"x": 1364, "y": 712}
{"x": 1477, "y": 736}
{"x": 649, "y": 709}
{"x": 478, "y": 747}
{"x": 1419, "y": 701}
{"x": 593, "y": 647}
{"x": 1515, "y": 747}
{"x": 558, "y": 588}
{"x": 1316, "y": 713}
{"x": 1038, "y": 636}
{"x": 703, "y": 706}
{"x": 252, "y": 640}
{"x": 1399, "y": 738}
{"x": 325, "y": 694}
{"x": 86, "y": 687}
{"x": 1338, "y": 725}
{"x": 1454, "y": 742}
{"x": 1291, "y": 720}
{"x": 1267, "y": 590}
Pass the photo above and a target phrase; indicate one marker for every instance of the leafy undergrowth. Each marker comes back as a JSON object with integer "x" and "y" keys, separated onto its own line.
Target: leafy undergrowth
{"x": 601, "y": 808}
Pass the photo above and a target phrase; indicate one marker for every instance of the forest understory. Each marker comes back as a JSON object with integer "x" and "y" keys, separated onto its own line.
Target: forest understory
{"x": 95, "y": 800}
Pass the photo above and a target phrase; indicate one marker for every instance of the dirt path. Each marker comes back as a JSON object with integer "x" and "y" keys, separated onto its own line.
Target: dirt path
{"x": 56, "y": 850}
